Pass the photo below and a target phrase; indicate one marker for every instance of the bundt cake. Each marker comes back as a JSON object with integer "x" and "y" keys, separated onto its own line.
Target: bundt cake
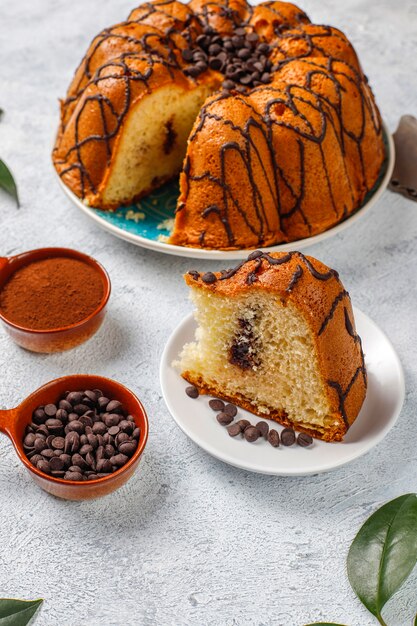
{"x": 276, "y": 336}
{"x": 269, "y": 119}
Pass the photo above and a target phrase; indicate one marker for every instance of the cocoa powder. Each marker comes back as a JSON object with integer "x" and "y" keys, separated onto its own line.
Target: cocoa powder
{"x": 52, "y": 293}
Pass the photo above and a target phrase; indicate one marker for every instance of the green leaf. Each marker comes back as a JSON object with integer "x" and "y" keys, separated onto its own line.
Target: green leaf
{"x": 17, "y": 612}
{"x": 384, "y": 552}
{"x": 7, "y": 181}
{"x": 415, "y": 621}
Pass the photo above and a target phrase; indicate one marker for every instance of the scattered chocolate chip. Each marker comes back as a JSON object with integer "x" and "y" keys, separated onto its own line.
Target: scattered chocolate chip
{"x": 243, "y": 424}
{"x": 234, "y": 430}
{"x": 251, "y": 434}
{"x": 224, "y": 419}
{"x": 216, "y": 405}
{"x": 192, "y": 391}
{"x": 263, "y": 428}
{"x": 273, "y": 438}
{"x": 288, "y": 437}
{"x": 230, "y": 409}
{"x": 304, "y": 440}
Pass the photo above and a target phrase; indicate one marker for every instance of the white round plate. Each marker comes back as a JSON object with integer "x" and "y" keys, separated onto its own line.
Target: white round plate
{"x": 382, "y": 406}
{"x": 144, "y": 223}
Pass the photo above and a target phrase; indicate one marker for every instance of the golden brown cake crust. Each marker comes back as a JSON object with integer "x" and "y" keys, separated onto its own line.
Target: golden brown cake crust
{"x": 320, "y": 297}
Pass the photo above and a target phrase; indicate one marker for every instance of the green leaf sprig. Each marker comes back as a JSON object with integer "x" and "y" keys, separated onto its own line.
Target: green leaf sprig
{"x": 17, "y": 612}
{"x": 7, "y": 182}
{"x": 383, "y": 555}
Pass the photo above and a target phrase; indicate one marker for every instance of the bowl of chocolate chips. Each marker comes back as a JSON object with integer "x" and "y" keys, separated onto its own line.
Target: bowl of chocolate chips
{"x": 80, "y": 436}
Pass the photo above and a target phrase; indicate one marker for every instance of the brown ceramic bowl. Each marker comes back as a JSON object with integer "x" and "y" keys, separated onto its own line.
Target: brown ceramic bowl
{"x": 56, "y": 339}
{"x": 14, "y": 421}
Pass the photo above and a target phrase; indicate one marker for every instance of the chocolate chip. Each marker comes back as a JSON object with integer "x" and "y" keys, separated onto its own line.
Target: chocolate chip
{"x": 35, "y": 458}
{"x": 50, "y": 410}
{"x": 74, "y": 397}
{"x": 62, "y": 415}
{"x": 251, "y": 434}
{"x": 216, "y": 64}
{"x": 103, "y": 402}
{"x": 43, "y": 466}
{"x": 114, "y": 406}
{"x": 29, "y": 440}
{"x": 234, "y": 430}
{"x": 187, "y": 54}
{"x": 65, "y": 406}
{"x": 40, "y": 444}
{"x": 128, "y": 448}
{"x": 273, "y": 438}
{"x": 208, "y": 278}
{"x": 111, "y": 419}
{"x": 126, "y": 426}
{"x": 54, "y": 426}
{"x": 263, "y": 428}
{"x": 39, "y": 416}
{"x": 99, "y": 428}
{"x": 136, "y": 433}
{"x": 192, "y": 391}
{"x": 243, "y": 424}
{"x": 288, "y": 437}
{"x": 72, "y": 442}
{"x": 74, "y": 476}
{"x": 230, "y": 409}
{"x": 58, "y": 443}
{"x": 75, "y": 426}
{"x": 216, "y": 404}
{"x": 114, "y": 430}
{"x": 119, "y": 460}
{"x": 304, "y": 440}
{"x": 47, "y": 453}
{"x": 224, "y": 419}
{"x": 56, "y": 464}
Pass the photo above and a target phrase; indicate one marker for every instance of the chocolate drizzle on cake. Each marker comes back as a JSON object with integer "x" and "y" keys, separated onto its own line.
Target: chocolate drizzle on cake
{"x": 164, "y": 39}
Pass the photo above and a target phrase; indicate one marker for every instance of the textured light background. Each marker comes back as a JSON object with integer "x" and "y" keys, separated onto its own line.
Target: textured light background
{"x": 190, "y": 540}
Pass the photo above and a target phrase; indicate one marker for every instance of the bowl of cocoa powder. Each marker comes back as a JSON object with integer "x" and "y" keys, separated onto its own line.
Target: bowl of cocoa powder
{"x": 52, "y": 299}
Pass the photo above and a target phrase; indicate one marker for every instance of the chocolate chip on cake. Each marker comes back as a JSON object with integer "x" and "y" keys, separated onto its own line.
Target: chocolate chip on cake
{"x": 208, "y": 278}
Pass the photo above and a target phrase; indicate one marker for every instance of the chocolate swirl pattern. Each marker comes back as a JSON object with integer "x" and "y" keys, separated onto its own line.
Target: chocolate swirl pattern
{"x": 282, "y": 161}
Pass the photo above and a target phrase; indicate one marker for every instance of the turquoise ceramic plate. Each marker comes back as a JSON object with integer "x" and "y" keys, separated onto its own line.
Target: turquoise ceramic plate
{"x": 149, "y": 221}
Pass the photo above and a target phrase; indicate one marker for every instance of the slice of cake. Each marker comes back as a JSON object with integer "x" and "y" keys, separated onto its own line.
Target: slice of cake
{"x": 276, "y": 336}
